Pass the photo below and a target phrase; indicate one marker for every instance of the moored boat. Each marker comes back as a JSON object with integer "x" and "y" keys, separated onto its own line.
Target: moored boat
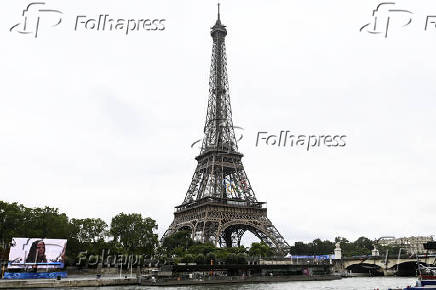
{"x": 426, "y": 278}
{"x": 426, "y": 274}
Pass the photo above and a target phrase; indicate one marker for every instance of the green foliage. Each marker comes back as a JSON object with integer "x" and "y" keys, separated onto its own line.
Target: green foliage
{"x": 188, "y": 258}
{"x": 242, "y": 258}
{"x": 134, "y": 233}
{"x": 260, "y": 250}
{"x": 201, "y": 248}
{"x": 179, "y": 247}
{"x": 362, "y": 246}
{"x": 19, "y": 221}
{"x": 231, "y": 258}
{"x": 88, "y": 235}
{"x": 200, "y": 259}
{"x": 317, "y": 247}
{"x": 221, "y": 254}
{"x": 11, "y": 220}
{"x": 89, "y": 230}
{"x": 177, "y": 243}
{"x": 341, "y": 240}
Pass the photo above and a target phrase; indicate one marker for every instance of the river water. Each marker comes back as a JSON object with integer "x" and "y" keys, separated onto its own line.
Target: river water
{"x": 369, "y": 283}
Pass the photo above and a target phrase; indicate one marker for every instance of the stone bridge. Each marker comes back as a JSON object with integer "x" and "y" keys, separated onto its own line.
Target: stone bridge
{"x": 381, "y": 263}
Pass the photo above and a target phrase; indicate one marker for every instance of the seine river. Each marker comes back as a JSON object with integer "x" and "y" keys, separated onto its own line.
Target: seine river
{"x": 343, "y": 284}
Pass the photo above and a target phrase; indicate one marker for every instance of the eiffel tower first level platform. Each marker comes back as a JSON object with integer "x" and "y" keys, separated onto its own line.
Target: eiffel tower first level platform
{"x": 224, "y": 222}
{"x": 220, "y": 205}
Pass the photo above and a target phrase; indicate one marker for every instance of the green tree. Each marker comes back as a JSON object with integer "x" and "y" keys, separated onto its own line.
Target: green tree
{"x": 221, "y": 254}
{"x": 202, "y": 248}
{"x": 341, "y": 240}
{"x": 87, "y": 235}
{"x": 177, "y": 243}
{"x": 360, "y": 247}
{"x": 322, "y": 247}
{"x": 242, "y": 258}
{"x": 134, "y": 233}
{"x": 231, "y": 258}
{"x": 200, "y": 259}
{"x": 45, "y": 222}
{"x": 317, "y": 247}
{"x": 260, "y": 250}
{"x": 363, "y": 246}
{"x": 188, "y": 258}
{"x": 11, "y": 221}
{"x": 89, "y": 230}
{"x": 300, "y": 248}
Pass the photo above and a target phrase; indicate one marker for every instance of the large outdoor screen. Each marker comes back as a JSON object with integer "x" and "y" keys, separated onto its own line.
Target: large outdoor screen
{"x": 34, "y": 252}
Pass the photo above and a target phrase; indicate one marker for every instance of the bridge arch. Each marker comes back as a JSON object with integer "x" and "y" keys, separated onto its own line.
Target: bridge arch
{"x": 402, "y": 266}
{"x": 365, "y": 268}
{"x": 408, "y": 268}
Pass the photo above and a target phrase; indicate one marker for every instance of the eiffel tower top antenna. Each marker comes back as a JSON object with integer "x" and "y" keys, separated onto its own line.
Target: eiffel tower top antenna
{"x": 218, "y": 25}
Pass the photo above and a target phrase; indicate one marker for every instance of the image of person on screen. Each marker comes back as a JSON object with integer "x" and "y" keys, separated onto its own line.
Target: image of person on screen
{"x": 37, "y": 253}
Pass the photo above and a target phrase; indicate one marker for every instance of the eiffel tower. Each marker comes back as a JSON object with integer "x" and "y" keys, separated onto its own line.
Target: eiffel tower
{"x": 220, "y": 205}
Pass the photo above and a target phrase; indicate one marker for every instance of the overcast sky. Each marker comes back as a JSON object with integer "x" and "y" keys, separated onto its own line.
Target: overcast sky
{"x": 97, "y": 123}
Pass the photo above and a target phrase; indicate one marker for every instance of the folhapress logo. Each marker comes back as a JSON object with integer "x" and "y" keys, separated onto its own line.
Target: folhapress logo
{"x": 36, "y": 16}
